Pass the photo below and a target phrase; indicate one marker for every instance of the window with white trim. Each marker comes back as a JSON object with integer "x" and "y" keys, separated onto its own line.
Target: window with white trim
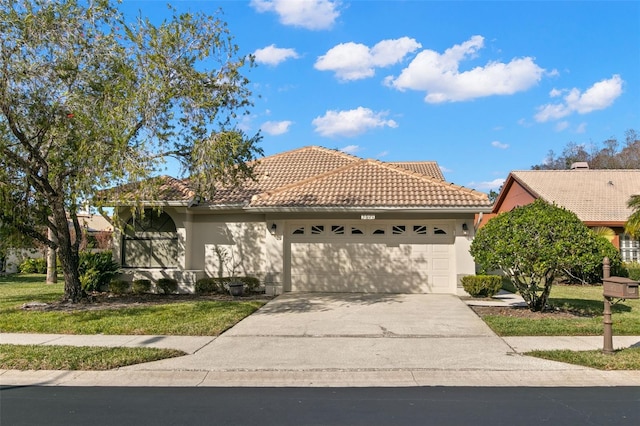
{"x": 629, "y": 249}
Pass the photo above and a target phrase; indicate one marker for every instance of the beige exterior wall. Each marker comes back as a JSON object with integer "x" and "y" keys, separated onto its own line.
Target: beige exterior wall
{"x": 212, "y": 244}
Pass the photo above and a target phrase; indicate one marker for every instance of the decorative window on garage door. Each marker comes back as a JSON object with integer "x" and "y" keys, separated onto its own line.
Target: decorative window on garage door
{"x": 413, "y": 231}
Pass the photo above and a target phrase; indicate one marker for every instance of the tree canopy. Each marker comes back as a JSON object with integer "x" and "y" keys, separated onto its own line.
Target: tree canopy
{"x": 537, "y": 243}
{"x": 88, "y": 100}
{"x": 611, "y": 155}
{"x": 632, "y": 227}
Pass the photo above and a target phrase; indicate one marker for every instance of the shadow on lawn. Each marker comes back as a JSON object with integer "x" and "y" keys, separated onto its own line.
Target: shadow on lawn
{"x": 587, "y": 307}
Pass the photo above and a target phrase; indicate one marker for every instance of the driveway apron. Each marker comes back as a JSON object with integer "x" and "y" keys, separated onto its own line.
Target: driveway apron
{"x": 357, "y": 332}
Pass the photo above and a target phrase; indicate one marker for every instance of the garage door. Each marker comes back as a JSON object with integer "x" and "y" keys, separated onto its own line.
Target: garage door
{"x": 398, "y": 257}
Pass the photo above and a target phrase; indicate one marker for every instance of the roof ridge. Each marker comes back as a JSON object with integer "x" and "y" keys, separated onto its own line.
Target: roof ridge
{"x": 312, "y": 147}
{"x": 431, "y": 179}
{"x": 307, "y": 180}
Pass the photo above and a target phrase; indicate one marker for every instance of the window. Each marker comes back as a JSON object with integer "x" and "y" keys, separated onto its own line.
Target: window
{"x": 317, "y": 229}
{"x": 439, "y": 231}
{"x": 337, "y": 229}
{"x": 420, "y": 229}
{"x": 356, "y": 231}
{"x": 378, "y": 231}
{"x": 298, "y": 231}
{"x": 629, "y": 249}
{"x": 150, "y": 241}
{"x": 398, "y": 229}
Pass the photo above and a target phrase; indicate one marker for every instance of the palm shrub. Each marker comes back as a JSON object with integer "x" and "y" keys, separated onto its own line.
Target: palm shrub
{"x": 482, "y": 285}
{"x": 96, "y": 269}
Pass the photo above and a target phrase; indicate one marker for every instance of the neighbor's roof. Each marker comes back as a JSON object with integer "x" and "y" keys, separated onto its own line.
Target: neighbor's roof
{"x": 593, "y": 195}
{"x": 323, "y": 178}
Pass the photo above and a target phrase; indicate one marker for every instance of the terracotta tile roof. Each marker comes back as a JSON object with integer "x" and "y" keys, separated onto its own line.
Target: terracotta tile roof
{"x": 593, "y": 195}
{"x": 429, "y": 168}
{"x": 319, "y": 177}
{"x": 371, "y": 183}
{"x": 161, "y": 188}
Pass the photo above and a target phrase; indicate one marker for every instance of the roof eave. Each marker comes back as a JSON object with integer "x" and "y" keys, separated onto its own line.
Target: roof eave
{"x": 368, "y": 209}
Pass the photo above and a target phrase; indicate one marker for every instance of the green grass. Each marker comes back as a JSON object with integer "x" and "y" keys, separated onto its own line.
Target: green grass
{"x": 586, "y": 301}
{"x": 35, "y": 357}
{"x": 193, "y": 318}
{"x": 625, "y": 359}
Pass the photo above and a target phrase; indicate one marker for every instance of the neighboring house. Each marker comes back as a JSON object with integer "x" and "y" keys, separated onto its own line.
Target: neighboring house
{"x": 314, "y": 220}
{"x": 97, "y": 230}
{"x": 598, "y": 197}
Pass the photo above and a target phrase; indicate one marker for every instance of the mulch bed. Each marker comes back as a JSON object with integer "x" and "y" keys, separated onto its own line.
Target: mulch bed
{"x": 98, "y": 301}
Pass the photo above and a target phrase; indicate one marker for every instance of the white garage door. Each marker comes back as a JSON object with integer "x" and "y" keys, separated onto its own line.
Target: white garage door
{"x": 394, "y": 257}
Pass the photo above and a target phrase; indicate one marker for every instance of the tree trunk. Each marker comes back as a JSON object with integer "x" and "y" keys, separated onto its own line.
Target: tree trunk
{"x": 52, "y": 274}
{"x": 68, "y": 254}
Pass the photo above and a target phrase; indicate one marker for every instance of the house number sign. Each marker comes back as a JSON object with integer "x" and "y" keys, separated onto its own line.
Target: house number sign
{"x": 367, "y": 216}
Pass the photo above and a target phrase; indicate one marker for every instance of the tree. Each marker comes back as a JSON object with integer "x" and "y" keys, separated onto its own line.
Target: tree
{"x": 632, "y": 227}
{"x": 610, "y": 156}
{"x": 88, "y": 101}
{"x": 535, "y": 244}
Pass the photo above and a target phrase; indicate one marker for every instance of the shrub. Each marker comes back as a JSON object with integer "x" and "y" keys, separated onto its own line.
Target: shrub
{"x": 633, "y": 268}
{"x": 211, "y": 285}
{"x": 168, "y": 285}
{"x": 220, "y": 284}
{"x": 482, "y": 285}
{"x": 534, "y": 245}
{"x": 140, "y": 286}
{"x": 33, "y": 266}
{"x": 96, "y": 269}
{"x": 250, "y": 283}
{"x": 119, "y": 286}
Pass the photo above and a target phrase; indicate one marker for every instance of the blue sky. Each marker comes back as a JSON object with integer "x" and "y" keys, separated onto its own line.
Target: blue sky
{"x": 482, "y": 88}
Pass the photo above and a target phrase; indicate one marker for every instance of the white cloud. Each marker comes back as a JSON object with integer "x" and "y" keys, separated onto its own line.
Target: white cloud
{"x": 382, "y": 154}
{"x": 487, "y": 186}
{"x": 562, "y": 125}
{"x": 599, "y": 96}
{"x": 309, "y": 14}
{"x": 350, "y": 123}
{"x": 439, "y": 75}
{"x": 498, "y": 144}
{"x": 582, "y": 128}
{"x": 355, "y": 61}
{"x": 275, "y": 128}
{"x": 272, "y": 55}
{"x": 350, "y": 149}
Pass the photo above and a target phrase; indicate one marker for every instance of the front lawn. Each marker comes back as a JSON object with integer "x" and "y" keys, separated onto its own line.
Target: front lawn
{"x": 36, "y": 357}
{"x": 625, "y": 359}
{"x": 577, "y": 311}
{"x": 193, "y": 317}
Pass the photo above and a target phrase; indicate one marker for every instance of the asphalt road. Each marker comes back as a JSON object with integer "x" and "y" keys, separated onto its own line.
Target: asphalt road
{"x": 96, "y": 406}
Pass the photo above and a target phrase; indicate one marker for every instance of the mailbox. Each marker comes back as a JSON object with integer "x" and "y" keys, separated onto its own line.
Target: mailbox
{"x": 621, "y": 287}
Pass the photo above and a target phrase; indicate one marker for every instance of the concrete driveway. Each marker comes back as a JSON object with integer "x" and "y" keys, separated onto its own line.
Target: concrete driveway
{"x": 356, "y": 332}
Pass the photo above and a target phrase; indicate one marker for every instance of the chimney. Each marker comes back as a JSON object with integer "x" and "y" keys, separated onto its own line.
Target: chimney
{"x": 580, "y": 165}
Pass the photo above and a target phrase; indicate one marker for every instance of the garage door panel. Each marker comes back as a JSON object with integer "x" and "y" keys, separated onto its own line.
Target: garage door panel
{"x": 387, "y": 263}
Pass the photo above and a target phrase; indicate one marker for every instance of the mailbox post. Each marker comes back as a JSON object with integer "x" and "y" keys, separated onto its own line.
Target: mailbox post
{"x": 614, "y": 287}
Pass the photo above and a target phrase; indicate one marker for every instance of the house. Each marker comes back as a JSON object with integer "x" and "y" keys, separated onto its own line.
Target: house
{"x": 315, "y": 220}
{"x": 598, "y": 197}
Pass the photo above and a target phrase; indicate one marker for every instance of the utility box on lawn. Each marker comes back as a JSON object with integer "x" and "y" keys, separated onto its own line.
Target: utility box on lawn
{"x": 620, "y": 287}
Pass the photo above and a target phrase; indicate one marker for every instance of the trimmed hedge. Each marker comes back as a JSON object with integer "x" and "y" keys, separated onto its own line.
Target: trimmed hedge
{"x": 221, "y": 285}
{"x": 167, "y": 285}
{"x": 140, "y": 286}
{"x": 119, "y": 286}
{"x": 633, "y": 268}
{"x": 482, "y": 285}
